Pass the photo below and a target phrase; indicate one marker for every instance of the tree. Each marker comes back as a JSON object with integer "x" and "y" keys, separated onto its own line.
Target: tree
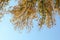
{"x": 27, "y": 10}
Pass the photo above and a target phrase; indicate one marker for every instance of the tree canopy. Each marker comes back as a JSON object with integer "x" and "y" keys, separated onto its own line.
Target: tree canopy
{"x": 27, "y": 10}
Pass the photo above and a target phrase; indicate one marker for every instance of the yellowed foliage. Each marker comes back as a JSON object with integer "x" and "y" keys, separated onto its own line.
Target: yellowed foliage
{"x": 3, "y": 3}
{"x": 27, "y": 10}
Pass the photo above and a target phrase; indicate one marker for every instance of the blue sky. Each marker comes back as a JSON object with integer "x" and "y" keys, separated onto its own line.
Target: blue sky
{"x": 7, "y": 31}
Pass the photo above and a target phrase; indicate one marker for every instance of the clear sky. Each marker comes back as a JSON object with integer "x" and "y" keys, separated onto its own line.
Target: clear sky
{"x": 7, "y": 31}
